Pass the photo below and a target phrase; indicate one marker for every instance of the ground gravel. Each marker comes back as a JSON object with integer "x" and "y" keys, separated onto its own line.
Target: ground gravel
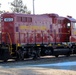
{"x": 23, "y": 68}
{"x": 35, "y": 71}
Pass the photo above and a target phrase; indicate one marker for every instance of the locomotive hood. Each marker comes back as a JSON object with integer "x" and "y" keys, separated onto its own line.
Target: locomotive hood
{"x": 71, "y": 19}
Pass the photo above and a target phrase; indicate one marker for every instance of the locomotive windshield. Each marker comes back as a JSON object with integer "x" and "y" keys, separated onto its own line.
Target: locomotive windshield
{"x": 74, "y": 25}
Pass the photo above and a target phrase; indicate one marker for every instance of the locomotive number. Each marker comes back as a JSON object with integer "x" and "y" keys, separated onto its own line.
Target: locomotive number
{"x": 8, "y": 19}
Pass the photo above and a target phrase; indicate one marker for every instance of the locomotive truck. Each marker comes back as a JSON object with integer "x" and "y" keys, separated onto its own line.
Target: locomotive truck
{"x": 31, "y": 36}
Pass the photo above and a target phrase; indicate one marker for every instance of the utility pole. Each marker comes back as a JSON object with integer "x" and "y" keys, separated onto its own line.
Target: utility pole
{"x": 33, "y": 7}
{"x": 0, "y": 4}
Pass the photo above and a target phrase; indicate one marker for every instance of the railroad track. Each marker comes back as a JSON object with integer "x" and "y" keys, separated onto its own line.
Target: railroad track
{"x": 42, "y": 60}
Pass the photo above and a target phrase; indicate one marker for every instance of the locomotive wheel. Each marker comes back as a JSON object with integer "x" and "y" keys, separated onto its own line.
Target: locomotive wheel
{"x": 67, "y": 55}
{"x": 19, "y": 55}
{"x": 56, "y": 56}
{"x": 5, "y": 54}
{"x": 18, "y": 58}
{"x": 5, "y": 60}
{"x": 36, "y": 55}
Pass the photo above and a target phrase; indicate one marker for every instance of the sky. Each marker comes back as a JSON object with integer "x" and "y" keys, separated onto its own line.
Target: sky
{"x": 60, "y": 7}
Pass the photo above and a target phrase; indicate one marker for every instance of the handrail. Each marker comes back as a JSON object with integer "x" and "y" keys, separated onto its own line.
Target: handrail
{"x": 10, "y": 46}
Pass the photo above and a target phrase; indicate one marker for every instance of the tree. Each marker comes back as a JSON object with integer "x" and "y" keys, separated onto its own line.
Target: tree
{"x": 19, "y": 7}
{"x": 1, "y": 11}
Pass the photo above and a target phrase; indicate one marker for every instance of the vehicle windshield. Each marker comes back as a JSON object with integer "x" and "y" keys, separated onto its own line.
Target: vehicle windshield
{"x": 74, "y": 25}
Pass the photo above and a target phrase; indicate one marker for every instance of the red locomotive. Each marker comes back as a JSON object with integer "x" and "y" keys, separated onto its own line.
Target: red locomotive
{"x": 26, "y": 35}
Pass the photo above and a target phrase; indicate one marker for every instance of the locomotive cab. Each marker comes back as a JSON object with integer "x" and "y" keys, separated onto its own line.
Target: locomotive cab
{"x": 68, "y": 30}
{"x": 73, "y": 32}
{"x": 71, "y": 29}
{"x": 67, "y": 33}
{"x": 73, "y": 37}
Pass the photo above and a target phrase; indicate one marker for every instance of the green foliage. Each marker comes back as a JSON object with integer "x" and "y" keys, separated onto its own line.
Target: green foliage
{"x": 19, "y": 7}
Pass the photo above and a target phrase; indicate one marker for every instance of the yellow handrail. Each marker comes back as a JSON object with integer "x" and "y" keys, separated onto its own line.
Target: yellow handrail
{"x": 10, "y": 46}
